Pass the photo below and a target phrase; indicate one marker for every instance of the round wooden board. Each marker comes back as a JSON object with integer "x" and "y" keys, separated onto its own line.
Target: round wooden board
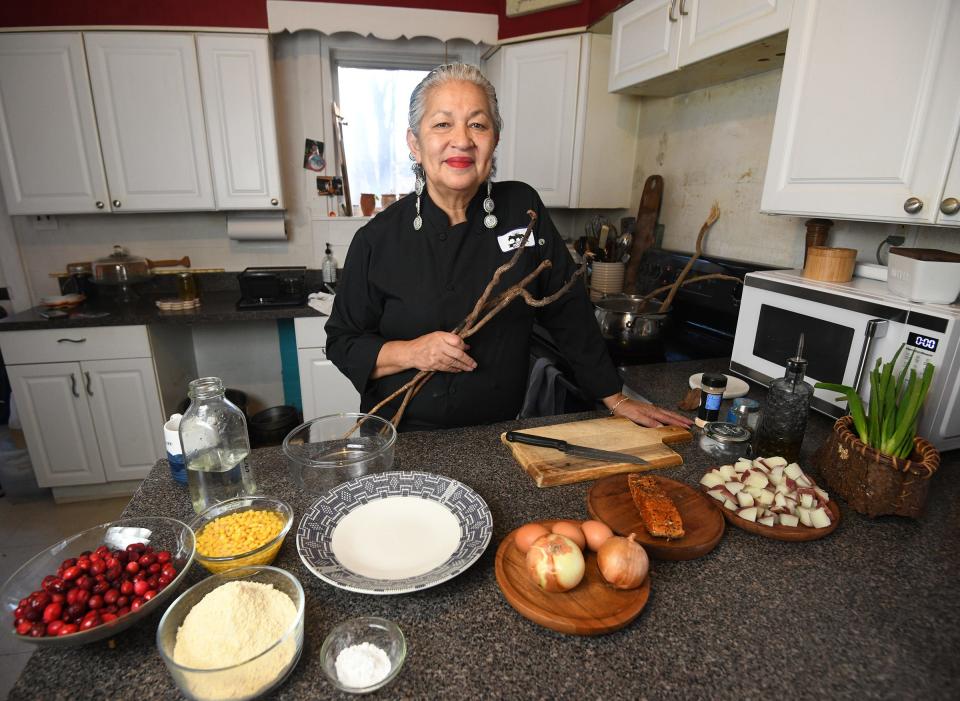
{"x": 793, "y": 534}
{"x": 593, "y": 607}
{"x": 609, "y": 501}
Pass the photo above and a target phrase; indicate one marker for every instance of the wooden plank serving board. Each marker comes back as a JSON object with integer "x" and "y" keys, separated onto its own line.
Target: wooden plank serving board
{"x": 550, "y": 467}
{"x": 593, "y": 607}
{"x": 609, "y": 500}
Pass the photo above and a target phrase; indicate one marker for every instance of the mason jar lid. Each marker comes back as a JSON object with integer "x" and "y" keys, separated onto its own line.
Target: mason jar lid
{"x": 713, "y": 380}
{"x": 725, "y": 432}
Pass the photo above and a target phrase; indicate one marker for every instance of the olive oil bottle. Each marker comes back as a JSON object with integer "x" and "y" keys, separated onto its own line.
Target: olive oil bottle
{"x": 784, "y": 418}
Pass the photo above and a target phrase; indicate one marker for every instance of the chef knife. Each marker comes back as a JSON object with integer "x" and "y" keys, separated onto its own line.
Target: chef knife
{"x": 571, "y": 449}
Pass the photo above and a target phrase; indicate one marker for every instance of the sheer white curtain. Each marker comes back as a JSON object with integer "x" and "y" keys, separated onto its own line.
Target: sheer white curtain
{"x": 374, "y": 104}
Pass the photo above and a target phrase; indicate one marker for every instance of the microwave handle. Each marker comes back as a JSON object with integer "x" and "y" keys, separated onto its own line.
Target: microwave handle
{"x": 876, "y": 328}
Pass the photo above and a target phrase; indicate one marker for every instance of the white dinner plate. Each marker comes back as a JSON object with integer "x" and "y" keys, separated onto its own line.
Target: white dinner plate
{"x": 735, "y": 386}
{"x": 394, "y": 532}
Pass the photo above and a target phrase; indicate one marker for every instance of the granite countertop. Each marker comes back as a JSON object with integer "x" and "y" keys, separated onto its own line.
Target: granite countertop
{"x": 867, "y": 612}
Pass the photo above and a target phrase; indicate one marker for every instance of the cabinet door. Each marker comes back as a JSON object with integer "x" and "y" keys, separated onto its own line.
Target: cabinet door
{"x": 49, "y": 150}
{"x": 537, "y": 90}
{"x": 238, "y": 104}
{"x": 868, "y": 111}
{"x": 646, "y": 39}
{"x": 323, "y": 388}
{"x": 711, "y": 27}
{"x": 56, "y": 423}
{"x": 126, "y": 412}
{"x": 949, "y": 213}
{"x": 146, "y": 88}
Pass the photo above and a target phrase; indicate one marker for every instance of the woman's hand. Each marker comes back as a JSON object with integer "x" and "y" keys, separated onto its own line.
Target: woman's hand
{"x": 643, "y": 413}
{"x": 439, "y": 351}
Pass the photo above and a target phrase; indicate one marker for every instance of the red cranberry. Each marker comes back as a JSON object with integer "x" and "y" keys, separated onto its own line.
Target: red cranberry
{"x": 123, "y": 601}
{"x": 141, "y": 587}
{"x": 39, "y": 600}
{"x": 84, "y": 563}
{"x": 69, "y": 562}
{"x": 98, "y": 567}
{"x": 95, "y": 602}
{"x": 23, "y": 627}
{"x": 38, "y": 630}
{"x": 150, "y": 594}
{"x": 126, "y": 588}
{"x": 154, "y": 568}
{"x": 137, "y": 603}
{"x": 53, "y": 627}
{"x": 123, "y": 611}
{"x": 107, "y": 617}
{"x": 113, "y": 572}
{"x": 52, "y": 612}
{"x": 72, "y": 572}
{"x": 136, "y": 548}
{"x": 89, "y": 623}
{"x": 152, "y": 581}
{"x": 68, "y": 628}
{"x": 101, "y": 587}
{"x": 110, "y": 596}
{"x": 85, "y": 581}
{"x": 102, "y": 551}
{"x": 58, "y": 598}
{"x": 133, "y": 567}
{"x": 32, "y": 615}
{"x": 163, "y": 580}
{"x": 75, "y": 611}
{"x": 47, "y": 581}
{"x": 163, "y": 556}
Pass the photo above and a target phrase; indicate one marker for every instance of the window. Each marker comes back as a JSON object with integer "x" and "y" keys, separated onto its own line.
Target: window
{"x": 374, "y": 104}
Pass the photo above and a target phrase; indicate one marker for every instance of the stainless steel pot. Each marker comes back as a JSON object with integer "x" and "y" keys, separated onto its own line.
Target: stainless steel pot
{"x": 624, "y": 326}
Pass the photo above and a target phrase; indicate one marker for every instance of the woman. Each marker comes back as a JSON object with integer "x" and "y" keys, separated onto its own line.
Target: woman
{"x": 416, "y": 270}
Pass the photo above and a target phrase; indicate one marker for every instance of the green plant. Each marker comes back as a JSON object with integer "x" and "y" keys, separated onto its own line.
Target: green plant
{"x": 894, "y": 405}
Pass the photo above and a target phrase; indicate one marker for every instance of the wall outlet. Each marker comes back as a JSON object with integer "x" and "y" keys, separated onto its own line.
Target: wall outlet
{"x": 45, "y": 222}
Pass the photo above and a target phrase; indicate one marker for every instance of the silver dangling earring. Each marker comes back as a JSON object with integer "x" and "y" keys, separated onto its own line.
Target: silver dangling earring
{"x": 418, "y": 186}
{"x": 489, "y": 221}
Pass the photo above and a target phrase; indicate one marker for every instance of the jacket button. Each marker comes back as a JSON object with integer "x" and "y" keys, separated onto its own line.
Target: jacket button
{"x": 443, "y": 237}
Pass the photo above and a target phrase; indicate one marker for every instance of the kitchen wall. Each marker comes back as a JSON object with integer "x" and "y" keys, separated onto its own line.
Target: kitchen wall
{"x": 712, "y": 144}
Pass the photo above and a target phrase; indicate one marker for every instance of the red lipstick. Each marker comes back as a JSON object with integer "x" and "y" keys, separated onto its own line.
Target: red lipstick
{"x": 459, "y": 162}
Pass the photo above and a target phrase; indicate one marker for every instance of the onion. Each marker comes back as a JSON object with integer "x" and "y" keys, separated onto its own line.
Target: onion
{"x": 555, "y": 563}
{"x": 623, "y": 562}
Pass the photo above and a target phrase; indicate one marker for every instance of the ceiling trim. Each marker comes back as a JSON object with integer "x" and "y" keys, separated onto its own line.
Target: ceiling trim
{"x": 381, "y": 21}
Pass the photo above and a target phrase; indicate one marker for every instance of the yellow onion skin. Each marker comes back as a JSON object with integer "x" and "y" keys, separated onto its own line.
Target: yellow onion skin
{"x": 623, "y": 562}
{"x": 555, "y": 563}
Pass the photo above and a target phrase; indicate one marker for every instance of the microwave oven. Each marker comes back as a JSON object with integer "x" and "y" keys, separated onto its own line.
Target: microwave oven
{"x": 847, "y": 327}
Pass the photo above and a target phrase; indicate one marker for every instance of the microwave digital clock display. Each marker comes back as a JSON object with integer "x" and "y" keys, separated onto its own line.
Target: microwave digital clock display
{"x": 915, "y": 340}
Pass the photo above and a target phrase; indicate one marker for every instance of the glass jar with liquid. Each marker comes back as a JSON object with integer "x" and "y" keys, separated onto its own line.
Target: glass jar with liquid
{"x": 216, "y": 447}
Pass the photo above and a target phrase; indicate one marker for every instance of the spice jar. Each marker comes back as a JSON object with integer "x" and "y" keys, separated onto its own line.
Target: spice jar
{"x": 712, "y": 386}
{"x": 744, "y": 412}
{"x": 186, "y": 286}
{"x": 725, "y": 442}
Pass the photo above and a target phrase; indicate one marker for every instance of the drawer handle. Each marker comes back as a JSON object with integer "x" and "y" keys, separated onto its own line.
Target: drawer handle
{"x": 673, "y": 3}
{"x": 86, "y": 375}
{"x": 73, "y": 385}
{"x": 71, "y": 340}
{"x": 683, "y": 11}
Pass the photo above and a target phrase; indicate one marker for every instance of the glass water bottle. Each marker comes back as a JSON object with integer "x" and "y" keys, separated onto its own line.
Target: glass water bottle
{"x": 216, "y": 447}
{"x": 784, "y": 418}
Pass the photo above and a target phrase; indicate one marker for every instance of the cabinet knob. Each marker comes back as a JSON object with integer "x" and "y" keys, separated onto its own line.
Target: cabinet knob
{"x": 912, "y": 205}
{"x": 951, "y": 205}
{"x": 116, "y": 203}
{"x": 99, "y": 204}
{"x": 274, "y": 201}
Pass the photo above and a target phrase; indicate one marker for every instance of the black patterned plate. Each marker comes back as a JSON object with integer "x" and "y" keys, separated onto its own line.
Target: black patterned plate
{"x": 394, "y": 532}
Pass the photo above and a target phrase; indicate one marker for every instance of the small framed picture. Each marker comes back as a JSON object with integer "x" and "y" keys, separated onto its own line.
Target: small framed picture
{"x": 330, "y": 186}
{"x": 313, "y": 156}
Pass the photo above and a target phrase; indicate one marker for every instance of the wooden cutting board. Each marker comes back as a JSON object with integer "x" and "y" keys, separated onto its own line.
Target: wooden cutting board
{"x": 550, "y": 467}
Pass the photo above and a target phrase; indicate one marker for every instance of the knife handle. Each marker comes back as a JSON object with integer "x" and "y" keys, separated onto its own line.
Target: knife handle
{"x": 542, "y": 441}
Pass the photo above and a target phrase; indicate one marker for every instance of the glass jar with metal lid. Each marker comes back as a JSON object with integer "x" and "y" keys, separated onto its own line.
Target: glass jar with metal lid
{"x": 725, "y": 442}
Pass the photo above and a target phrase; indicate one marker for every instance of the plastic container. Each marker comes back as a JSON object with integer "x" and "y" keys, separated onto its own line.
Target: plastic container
{"x": 252, "y": 677}
{"x": 216, "y": 448}
{"x": 235, "y": 396}
{"x": 725, "y": 442}
{"x": 263, "y": 554}
{"x": 329, "y": 450}
{"x": 924, "y": 274}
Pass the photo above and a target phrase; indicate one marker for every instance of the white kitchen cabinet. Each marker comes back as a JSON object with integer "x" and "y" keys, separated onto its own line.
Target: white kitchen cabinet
{"x": 146, "y": 87}
{"x": 323, "y": 388}
{"x": 564, "y": 133}
{"x": 90, "y": 407}
{"x": 868, "y": 114}
{"x": 949, "y": 214}
{"x": 652, "y": 39}
{"x": 238, "y": 104}
{"x": 50, "y": 159}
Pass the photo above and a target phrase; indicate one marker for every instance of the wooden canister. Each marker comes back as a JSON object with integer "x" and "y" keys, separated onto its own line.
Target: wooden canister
{"x": 830, "y": 264}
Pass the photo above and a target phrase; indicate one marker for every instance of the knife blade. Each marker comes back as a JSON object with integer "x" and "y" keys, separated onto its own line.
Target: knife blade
{"x": 580, "y": 451}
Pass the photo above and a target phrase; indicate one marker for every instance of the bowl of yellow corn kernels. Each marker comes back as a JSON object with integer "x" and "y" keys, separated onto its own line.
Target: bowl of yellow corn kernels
{"x": 241, "y": 532}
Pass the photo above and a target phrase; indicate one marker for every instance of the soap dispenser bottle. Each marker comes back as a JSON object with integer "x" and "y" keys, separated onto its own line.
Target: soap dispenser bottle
{"x": 784, "y": 418}
{"x": 329, "y": 267}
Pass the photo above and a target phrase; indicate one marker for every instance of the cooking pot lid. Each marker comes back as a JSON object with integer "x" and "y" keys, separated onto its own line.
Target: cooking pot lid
{"x": 725, "y": 432}
{"x": 119, "y": 255}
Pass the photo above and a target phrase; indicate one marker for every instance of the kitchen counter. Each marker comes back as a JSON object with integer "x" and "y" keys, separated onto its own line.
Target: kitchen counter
{"x": 216, "y": 306}
{"x": 867, "y": 612}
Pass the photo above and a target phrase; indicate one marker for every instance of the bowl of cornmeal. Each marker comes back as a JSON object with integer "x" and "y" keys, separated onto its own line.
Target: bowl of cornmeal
{"x": 241, "y": 532}
{"x": 234, "y": 635}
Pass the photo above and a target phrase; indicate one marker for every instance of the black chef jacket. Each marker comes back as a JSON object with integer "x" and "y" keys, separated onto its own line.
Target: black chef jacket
{"x": 399, "y": 284}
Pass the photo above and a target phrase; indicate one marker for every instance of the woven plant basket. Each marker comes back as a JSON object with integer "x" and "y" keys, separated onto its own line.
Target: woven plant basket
{"x": 871, "y": 482}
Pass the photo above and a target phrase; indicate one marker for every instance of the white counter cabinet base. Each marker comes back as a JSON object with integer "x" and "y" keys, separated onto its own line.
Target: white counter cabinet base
{"x": 323, "y": 388}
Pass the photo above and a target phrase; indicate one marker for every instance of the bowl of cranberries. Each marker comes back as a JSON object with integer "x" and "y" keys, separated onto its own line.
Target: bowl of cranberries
{"x": 97, "y": 583}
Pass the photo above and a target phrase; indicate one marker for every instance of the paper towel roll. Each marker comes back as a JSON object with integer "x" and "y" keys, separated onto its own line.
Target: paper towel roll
{"x": 256, "y": 226}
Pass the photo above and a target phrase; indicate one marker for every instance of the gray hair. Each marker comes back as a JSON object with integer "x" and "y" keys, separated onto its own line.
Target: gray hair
{"x": 444, "y": 74}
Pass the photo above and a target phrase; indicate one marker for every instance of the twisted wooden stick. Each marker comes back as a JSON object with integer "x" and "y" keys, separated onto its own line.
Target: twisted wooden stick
{"x": 711, "y": 218}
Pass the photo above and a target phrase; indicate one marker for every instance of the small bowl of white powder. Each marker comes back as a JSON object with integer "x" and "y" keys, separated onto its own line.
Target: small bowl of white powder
{"x": 234, "y": 635}
{"x": 362, "y": 655}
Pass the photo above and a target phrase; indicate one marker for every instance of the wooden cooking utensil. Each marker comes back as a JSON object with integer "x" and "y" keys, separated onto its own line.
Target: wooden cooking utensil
{"x": 643, "y": 235}
{"x": 592, "y": 607}
{"x": 550, "y": 467}
{"x": 609, "y": 501}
